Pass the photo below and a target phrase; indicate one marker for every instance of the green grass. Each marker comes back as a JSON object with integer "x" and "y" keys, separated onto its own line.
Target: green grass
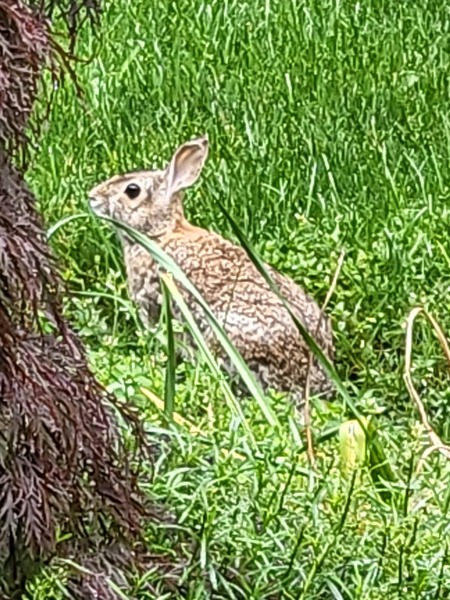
{"x": 329, "y": 126}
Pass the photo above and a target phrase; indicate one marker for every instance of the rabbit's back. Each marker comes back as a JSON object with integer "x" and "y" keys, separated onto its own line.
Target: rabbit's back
{"x": 234, "y": 288}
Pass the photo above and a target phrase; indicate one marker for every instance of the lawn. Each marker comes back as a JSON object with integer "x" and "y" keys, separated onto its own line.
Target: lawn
{"x": 329, "y": 129}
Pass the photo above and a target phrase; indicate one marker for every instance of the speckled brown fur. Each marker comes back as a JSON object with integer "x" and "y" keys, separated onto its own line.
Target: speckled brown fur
{"x": 252, "y": 315}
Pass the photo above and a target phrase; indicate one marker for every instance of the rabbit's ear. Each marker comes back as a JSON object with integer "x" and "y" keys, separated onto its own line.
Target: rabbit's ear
{"x": 186, "y": 165}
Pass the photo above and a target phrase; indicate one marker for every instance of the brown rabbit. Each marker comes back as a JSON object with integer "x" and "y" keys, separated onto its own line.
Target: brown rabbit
{"x": 254, "y": 318}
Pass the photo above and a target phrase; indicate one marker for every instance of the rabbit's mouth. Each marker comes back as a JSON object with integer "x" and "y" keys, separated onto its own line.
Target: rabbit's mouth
{"x": 96, "y": 205}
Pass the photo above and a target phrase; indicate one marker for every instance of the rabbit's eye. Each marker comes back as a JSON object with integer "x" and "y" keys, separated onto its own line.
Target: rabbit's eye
{"x": 132, "y": 191}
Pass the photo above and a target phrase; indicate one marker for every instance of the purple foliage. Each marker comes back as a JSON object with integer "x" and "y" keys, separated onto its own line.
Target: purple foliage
{"x": 62, "y": 468}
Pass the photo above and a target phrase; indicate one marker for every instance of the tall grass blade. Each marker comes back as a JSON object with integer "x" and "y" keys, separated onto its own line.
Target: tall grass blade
{"x": 200, "y": 340}
{"x": 169, "y": 383}
{"x": 380, "y": 468}
{"x": 310, "y": 341}
{"x": 54, "y": 228}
